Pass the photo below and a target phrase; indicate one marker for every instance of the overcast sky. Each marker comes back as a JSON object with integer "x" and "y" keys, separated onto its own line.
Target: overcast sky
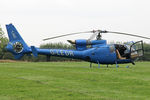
{"x": 39, "y": 19}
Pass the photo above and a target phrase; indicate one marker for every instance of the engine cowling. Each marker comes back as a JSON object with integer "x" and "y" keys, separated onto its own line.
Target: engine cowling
{"x": 81, "y": 44}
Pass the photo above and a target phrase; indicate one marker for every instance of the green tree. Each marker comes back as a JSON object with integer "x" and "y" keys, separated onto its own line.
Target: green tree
{"x": 3, "y": 43}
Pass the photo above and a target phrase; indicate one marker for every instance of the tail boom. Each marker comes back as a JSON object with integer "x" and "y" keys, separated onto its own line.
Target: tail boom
{"x": 57, "y": 52}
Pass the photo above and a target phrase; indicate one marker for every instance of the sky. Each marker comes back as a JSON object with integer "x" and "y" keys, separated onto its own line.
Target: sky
{"x": 39, "y": 19}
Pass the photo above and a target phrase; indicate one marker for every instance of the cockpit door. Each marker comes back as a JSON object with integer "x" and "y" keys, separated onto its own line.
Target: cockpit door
{"x": 136, "y": 50}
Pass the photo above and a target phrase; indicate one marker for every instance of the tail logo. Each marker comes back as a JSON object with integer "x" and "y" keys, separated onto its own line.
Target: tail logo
{"x": 13, "y": 34}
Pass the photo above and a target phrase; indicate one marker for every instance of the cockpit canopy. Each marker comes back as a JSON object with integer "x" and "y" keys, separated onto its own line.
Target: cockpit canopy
{"x": 130, "y": 50}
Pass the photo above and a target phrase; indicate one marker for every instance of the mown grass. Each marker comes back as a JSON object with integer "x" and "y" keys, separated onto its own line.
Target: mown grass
{"x": 73, "y": 81}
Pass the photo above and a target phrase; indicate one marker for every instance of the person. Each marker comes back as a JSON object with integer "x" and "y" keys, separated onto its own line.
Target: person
{"x": 118, "y": 55}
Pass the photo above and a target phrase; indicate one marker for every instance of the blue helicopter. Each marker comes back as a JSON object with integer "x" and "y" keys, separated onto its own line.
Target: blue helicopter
{"x": 94, "y": 51}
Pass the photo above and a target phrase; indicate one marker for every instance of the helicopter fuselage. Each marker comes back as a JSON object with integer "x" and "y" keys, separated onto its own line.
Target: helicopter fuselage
{"x": 104, "y": 54}
{"x": 96, "y": 51}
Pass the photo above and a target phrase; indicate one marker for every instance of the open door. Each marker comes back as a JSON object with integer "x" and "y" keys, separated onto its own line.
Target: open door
{"x": 136, "y": 50}
{"x": 131, "y": 50}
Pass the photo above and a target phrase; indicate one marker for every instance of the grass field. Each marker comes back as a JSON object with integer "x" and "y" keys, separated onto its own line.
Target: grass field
{"x": 73, "y": 81}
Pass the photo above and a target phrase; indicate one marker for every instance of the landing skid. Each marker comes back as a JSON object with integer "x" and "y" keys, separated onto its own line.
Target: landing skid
{"x": 91, "y": 64}
{"x": 117, "y": 66}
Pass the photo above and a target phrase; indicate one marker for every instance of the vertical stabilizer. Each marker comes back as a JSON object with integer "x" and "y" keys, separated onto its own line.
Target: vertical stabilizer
{"x": 16, "y": 44}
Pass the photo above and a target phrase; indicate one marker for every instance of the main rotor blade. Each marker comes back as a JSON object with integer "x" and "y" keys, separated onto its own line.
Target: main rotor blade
{"x": 127, "y": 34}
{"x": 67, "y": 35}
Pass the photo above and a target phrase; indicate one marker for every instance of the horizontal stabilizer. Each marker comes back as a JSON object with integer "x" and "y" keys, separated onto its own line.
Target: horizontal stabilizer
{"x": 34, "y": 51}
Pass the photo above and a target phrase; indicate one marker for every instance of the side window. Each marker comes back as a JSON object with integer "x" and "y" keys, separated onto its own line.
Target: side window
{"x": 112, "y": 48}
